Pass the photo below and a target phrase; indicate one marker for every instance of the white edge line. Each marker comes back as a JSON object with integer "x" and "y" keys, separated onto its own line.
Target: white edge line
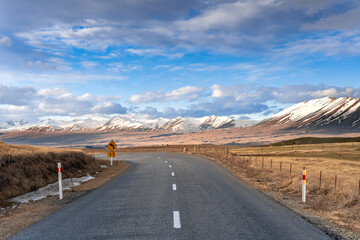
{"x": 177, "y": 223}
{"x": 172, "y": 174}
{"x": 174, "y": 187}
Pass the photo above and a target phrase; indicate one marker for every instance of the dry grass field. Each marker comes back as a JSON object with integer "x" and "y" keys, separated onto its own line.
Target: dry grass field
{"x": 7, "y": 149}
{"x": 279, "y": 169}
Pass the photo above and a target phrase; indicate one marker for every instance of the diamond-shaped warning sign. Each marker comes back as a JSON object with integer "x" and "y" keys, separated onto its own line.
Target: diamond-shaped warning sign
{"x": 111, "y": 146}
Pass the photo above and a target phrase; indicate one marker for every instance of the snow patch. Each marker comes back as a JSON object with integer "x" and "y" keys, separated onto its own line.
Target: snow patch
{"x": 50, "y": 190}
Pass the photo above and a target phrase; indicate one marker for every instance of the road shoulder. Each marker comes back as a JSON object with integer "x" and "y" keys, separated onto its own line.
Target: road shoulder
{"x": 24, "y": 215}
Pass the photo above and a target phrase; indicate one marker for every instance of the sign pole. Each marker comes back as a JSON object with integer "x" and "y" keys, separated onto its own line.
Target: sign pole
{"x": 111, "y": 146}
{"x": 60, "y": 181}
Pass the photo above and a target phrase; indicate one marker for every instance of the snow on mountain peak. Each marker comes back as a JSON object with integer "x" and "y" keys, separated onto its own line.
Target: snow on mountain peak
{"x": 320, "y": 113}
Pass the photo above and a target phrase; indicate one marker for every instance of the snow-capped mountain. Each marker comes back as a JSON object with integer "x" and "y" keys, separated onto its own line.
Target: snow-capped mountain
{"x": 328, "y": 113}
{"x": 123, "y": 124}
{"x": 215, "y": 122}
{"x": 179, "y": 124}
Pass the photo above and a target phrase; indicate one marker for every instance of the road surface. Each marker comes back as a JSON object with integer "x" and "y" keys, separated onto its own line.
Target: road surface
{"x": 173, "y": 196}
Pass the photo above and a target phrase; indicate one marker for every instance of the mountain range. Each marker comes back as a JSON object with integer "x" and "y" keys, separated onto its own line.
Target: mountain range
{"x": 329, "y": 114}
{"x": 179, "y": 124}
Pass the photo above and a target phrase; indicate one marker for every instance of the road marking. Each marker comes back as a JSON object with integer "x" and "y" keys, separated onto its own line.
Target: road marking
{"x": 170, "y": 166}
{"x": 174, "y": 187}
{"x": 165, "y": 161}
{"x": 172, "y": 174}
{"x": 176, "y": 219}
{"x": 158, "y": 157}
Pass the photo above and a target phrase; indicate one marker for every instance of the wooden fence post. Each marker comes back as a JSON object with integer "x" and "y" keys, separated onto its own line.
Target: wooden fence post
{"x": 280, "y": 165}
{"x": 335, "y": 181}
{"x": 320, "y": 179}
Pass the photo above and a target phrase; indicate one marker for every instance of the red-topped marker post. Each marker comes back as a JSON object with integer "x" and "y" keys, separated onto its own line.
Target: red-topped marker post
{"x": 60, "y": 181}
{"x": 304, "y": 186}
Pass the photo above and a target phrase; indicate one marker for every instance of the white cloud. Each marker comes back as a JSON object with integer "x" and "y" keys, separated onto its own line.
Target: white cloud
{"x": 334, "y": 92}
{"x": 51, "y": 92}
{"x": 5, "y": 41}
{"x": 154, "y": 52}
{"x": 57, "y": 101}
{"x": 89, "y": 64}
{"x": 184, "y": 93}
{"x": 53, "y": 78}
{"x": 90, "y": 38}
{"x": 329, "y": 45}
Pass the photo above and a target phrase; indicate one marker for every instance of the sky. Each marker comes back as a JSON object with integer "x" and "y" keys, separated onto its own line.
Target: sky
{"x": 167, "y": 58}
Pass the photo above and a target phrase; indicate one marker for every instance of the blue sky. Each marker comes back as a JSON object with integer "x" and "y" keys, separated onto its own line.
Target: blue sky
{"x": 162, "y": 58}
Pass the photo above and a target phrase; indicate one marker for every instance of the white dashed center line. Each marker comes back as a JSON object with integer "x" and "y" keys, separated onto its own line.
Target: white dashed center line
{"x": 158, "y": 157}
{"x": 172, "y": 174}
{"x": 177, "y": 219}
{"x": 174, "y": 187}
{"x": 165, "y": 161}
{"x": 170, "y": 166}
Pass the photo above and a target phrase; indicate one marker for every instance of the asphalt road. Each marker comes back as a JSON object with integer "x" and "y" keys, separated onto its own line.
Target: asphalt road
{"x": 173, "y": 196}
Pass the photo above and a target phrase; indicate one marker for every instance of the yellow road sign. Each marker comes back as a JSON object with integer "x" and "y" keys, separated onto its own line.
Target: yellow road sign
{"x": 111, "y": 154}
{"x": 111, "y": 146}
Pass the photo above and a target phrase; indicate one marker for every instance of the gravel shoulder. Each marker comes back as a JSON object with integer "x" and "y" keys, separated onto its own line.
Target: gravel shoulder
{"x": 20, "y": 216}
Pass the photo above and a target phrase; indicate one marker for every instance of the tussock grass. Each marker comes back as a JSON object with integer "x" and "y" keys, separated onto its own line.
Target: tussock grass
{"x": 25, "y": 168}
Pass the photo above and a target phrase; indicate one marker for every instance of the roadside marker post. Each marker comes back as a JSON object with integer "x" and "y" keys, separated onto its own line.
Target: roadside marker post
{"x": 60, "y": 181}
{"x": 304, "y": 186}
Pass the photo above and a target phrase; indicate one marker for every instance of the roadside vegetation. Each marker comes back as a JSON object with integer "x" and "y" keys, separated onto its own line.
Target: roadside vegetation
{"x": 26, "y": 168}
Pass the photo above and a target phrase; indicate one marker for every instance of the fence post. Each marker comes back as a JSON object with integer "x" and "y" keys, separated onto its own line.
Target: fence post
{"x": 320, "y": 179}
{"x": 280, "y": 165}
{"x": 262, "y": 164}
{"x": 335, "y": 181}
{"x": 290, "y": 168}
{"x": 271, "y": 164}
{"x": 359, "y": 188}
{"x": 60, "y": 181}
{"x": 304, "y": 186}
{"x": 184, "y": 150}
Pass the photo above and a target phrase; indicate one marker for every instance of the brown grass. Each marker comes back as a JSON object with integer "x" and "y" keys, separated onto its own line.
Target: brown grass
{"x": 7, "y": 149}
{"x": 26, "y": 168}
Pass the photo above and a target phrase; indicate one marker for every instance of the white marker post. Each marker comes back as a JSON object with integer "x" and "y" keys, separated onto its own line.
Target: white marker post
{"x": 304, "y": 186}
{"x": 60, "y": 181}
{"x": 184, "y": 151}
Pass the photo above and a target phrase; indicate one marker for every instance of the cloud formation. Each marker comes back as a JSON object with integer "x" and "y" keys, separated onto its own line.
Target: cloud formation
{"x": 5, "y": 41}
{"x": 183, "y": 93}
{"x": 29, "y": 103}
